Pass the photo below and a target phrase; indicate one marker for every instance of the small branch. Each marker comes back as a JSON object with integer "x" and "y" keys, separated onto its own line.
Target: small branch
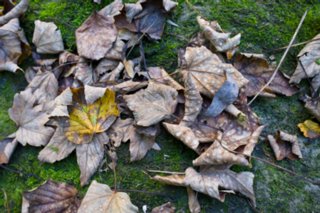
{"x": 295, "y": 45}
{"x": 165, "y": 172}
{"x": 282, "y": 58}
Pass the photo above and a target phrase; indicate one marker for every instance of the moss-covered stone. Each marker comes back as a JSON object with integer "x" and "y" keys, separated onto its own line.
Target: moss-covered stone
{"x": 265, "y": 25}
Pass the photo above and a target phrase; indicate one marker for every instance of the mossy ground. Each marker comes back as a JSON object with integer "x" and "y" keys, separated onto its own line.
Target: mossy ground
{"x": 265, "y": 25}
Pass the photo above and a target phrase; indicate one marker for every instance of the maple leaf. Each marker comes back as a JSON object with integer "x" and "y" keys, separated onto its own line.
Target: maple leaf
{"x": 47, "y": 38}
{"x": 153, "y": 104}
{"x": 91, "y": 112}
{"x": 310, "y": 129}
{"x": 100, "y": 198}
{"x": 51, "y": 197}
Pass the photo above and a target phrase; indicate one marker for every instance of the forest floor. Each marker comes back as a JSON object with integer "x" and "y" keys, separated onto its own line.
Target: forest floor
{"x": 265, "y": 26}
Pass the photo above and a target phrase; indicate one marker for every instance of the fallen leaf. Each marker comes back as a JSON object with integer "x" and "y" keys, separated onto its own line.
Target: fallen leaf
{"x": 100, "y": 198}
{"x": 193, "y": 101}
{"x": 164, "y": 208}
{"x": 7, "y": 147}
{"x": 51, "y": 197}
{"x": 96, "y": 36}
{"x": 47, "y": 38}
{"x": 153, "y": 104}
{"x": 257, "y": 70}
{"x": 219, "y": 39}
{"x": 225, "y": 96}
{"x": 310, "y": 129}
{"x": 14, "y": 13}
{"x": 120, "y": 131}
{"x": 14, "y": 45}
{"x": 285, "y": 145}
{"x": 159, "y": 75}
{"x": 83, "y": 72}
{"x": 30, "y": 120}
{"x": 308, "y": 66}
{"x": 313, "y": 107}
{"x": 208, "y": 70}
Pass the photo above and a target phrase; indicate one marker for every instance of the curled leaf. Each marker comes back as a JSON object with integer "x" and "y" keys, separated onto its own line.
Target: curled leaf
{"x": 14, "y": 13}
{"x": 100, "y": 198}
{"x": 164, "y": 208}
{"x": 47, "y": 38}
{"x": 51, "y": 197}
{"x": 153, "y": 104}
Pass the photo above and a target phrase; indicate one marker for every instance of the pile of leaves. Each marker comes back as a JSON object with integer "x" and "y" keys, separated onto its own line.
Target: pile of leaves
{"x": 96, "y": 99}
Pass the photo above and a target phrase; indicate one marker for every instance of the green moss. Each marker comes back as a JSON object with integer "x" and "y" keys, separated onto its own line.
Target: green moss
{"x": 265, "y": 25}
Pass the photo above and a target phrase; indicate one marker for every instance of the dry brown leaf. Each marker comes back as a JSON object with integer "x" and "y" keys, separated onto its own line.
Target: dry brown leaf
{"x": 164, "y": 208}
{"x": 257, "y": 70}
{"x": 219, "y": 39}
{"x": 30, "y": 120}
{"x": 83, "y": 72}
{"x": 7, "y": 147}
{"x": 207, "y": 70}
{"x": 120, "y": 131}
{"x": 309, "y": 64}
{"x": 68, "y": 58}
{"x": 51, "y": 197}
{"x": 183, "y": 133}
{"x": 96, "y": 36}
{"x": 153, "y": 104}
{"x": 159, "y": 75}
{"x": 100, "y": 198}
{"x": 112, "y": 9}
{"x": 47, "y": 38}
{"x": 15, "y": 12}
{"x": 193, "y": 203}
{"x": 14, "y": 45}
{"x": 128, "y": 86}
{"x": 313, "y": 106}
{"x": 285, "y": 145}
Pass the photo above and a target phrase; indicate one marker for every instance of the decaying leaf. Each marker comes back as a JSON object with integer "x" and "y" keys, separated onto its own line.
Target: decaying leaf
{"x": 149, "y": 16}
{"x": 47, "y": 38}
{"x": 160, "y": 75}
{"x": 153, "y": 104}
{"x": 308, "y": 65}
{"x": 15, "y": 12}
{"x": 224, "y": 97}
{"x": 257, "y": 70}
{"x": 30, "y": 120}
{"x": 193, "y": 203}
{"x": 285, "y": 145}
{"x": 313, "y": 106}
{"x": 310, "y": 129}
{"x": 164, "y": 208}
{"x": 120, "y": 131}
{"x": 220, "y": 40}
{"x": 51, "y": 197}
{"x": 193, "y": 101}
{"x": 7, "y": 147}
{"x": 96, "y": 36}
{"x": 100, "y": 198}
{"x": 13, "y": 45}
{"x": 213, "y": 182}
{"x": 91, "y": 112}
{"x": 208, "y": 70}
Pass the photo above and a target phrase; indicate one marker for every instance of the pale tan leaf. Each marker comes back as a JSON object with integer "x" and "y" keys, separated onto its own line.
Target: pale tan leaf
{"x": 164, "y": 208}
{"x": 153, "y": 104}
{"x": 100, "y": 198}
{"x": 193, "y": 203}
{"x": 112, "y": 9}
{"x": 47, "y": 38}
{"x": 96, "y": 36}
{"x": 160, "y": 75}
{"x": 183, "y": 133}
{"x": 128, "y": 86}
{"x": 207, "y": 70}
{"x": 120, "y": 131}
{"x": 7, "y": 147}
{"x": 175, "y": 180}
{"x": 219, "y": 39}
{"x": 51, "y": 197}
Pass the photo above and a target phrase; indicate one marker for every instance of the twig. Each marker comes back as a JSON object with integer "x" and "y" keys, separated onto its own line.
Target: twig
{"x": 282, "y": 58}
{"x": 20, "y": 172}
{"x": 165, "y": 172}
{"x": 295, "y": 45}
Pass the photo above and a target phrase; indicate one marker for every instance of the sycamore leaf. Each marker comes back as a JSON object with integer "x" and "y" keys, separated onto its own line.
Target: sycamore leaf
{"x": 219, "y": 39}
{"x": 51, "y": 197}
{"x": 96, "y": 36}
{"x": 285, "y": 145}
{"x": 193, "y": 101}
{"x": 47, "y": 38}
{"x": 310, "y": 129}
{"x": 30, "y": 120}
{"x": 308, "y": 66}
{"x": 160, "y": 75}
{"x": 208, "y": 70}
{"x": 12, "y": 39}
{"x": 86, "y": 120}
{"x": 164, "y": 208}
{"x": 153, "y": 104}
{"x": 100, "y": 198}
{"x": 257, "y": 70}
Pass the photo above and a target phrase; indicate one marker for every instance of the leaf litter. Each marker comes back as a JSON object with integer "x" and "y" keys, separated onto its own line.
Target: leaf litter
{"x": 93, "y": 100}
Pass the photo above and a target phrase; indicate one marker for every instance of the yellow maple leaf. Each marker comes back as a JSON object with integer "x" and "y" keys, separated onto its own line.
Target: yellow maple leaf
{"x": 310, "y": 129}
{"x": 86, "y": 120}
